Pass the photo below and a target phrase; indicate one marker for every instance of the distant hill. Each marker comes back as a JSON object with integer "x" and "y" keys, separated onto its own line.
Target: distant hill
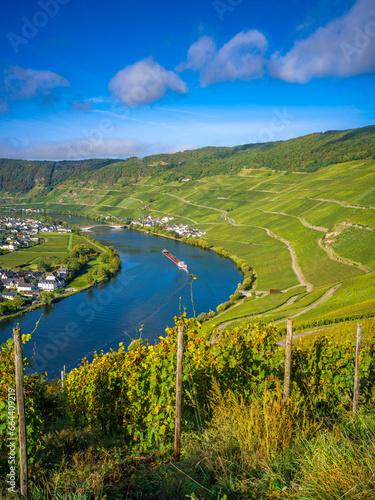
{"x": 304, "y": 154}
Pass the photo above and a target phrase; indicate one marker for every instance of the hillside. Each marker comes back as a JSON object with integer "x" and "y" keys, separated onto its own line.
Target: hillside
{"x": 304, "y": 154}
{"x": 304, "y": 226}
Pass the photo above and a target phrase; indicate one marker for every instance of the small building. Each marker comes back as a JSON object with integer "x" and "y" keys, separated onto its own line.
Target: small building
{"x": 9, "y": 295}
{"x": 50, "y": 283}
{"x": 24, "y": 286}
{"x": 63, "y": 272}
{"x": 9, "y": 283}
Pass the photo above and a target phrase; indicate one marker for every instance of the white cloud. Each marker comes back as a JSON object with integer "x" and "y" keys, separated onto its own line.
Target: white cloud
{"x": 145, "y": 82}
{"x": 22, "y": 83}
{"x": 344, "y": 47}
{"x": 242, "y": 58}
{"x": 202, "y": 52}
{"x": 75, "y": 149}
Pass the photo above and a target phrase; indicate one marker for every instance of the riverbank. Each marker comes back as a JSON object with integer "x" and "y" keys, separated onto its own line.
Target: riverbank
{"x": 89, "y": 273}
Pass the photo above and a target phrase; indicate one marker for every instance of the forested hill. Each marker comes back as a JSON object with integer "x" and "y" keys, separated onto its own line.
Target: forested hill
{"x": 305, "y": 154}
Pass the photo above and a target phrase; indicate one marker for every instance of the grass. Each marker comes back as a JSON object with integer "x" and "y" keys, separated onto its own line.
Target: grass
{"x": 255, "y": 449}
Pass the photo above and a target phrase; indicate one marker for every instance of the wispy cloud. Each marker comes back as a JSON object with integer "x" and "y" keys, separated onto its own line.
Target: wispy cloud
{"x": 343, "y": 48}
{"x": 22, "y": 83}
{"x": 86, "y": 104}
{"x": 185, "y": 112}
{"x": 126, "y": 116}
{"x": 144, "y": 82}
{"x": 75, "y": 149}
{"x": 242, "y": 58}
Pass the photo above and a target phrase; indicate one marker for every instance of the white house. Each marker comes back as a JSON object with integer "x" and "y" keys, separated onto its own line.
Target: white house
{"x": 50, "y": 283}
{"x": 24, "y": 286}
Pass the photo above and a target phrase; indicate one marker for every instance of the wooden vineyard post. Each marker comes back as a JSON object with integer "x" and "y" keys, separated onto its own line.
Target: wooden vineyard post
{"x": 356, "y": 368}
{"x": 288, "y": 360}
{"x": 177, "y": 427}
{"x": 62, "y": 391}
{"x": 18, "y": 359}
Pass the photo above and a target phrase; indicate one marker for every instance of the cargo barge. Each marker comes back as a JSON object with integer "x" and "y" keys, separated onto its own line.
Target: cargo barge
{"x": 180, "y": 263}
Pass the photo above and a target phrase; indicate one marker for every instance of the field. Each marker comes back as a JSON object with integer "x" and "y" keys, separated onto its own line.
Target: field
{"x": 56, "y": 247}
{"x": 276, "y": 221}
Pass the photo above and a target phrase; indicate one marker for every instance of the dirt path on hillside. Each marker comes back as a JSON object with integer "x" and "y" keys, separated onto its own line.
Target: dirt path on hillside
{"x": 224, "y": 325}
{"x": 315, "y": 304}
{"x": 281, "y": 343}
{"x": 268, "y": 179}
{"x": 330, "y": 252}
{"x": 173, "y": 215}
{"x": 342, "y": 203}
{"x": 302, "y": 221}
{"x": 223, "y": 212}
{"x": 296, "y": 269}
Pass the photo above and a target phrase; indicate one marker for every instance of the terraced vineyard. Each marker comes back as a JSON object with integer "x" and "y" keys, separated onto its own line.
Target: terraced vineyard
{"x": 307, "y": 230}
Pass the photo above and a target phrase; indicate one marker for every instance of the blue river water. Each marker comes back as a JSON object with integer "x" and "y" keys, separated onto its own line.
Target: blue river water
{"x": 146, "y": 294}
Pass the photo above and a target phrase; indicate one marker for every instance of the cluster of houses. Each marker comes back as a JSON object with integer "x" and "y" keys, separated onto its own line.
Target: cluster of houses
{"x": 17, "y": 233}
{"x": 181, "y": 229}
{"x": 30, "y": 283}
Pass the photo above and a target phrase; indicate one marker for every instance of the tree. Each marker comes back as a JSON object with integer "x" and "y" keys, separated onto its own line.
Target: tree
{"x": 18, "y": 301}
{"x": 114, "y": 265}
{"x": 102, "y": 273}
{"x": 104, "y": 257}
{"x": 74, "y": 267}
{"x": 44, "y": 265}
{"x": 81, "y": 249}
{"x": 47, "y": 297}
{"x": 90, "y": 277}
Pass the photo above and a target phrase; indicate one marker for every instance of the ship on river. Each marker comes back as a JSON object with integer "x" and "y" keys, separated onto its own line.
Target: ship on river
{"x": 179, "y": 263}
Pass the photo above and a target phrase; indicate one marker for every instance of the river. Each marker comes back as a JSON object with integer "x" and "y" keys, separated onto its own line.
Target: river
{"x": 145, "y": 295}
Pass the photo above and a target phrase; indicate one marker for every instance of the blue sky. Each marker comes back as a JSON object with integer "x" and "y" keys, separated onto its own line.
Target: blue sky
{"x": 114, "y": 79}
